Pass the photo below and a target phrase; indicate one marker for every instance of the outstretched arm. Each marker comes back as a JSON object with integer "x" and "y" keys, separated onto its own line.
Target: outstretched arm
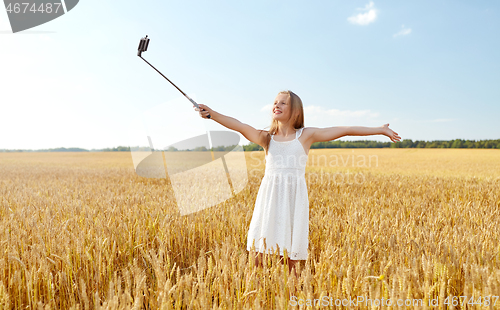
{"x": 250, "y": 133}
{"x": 332, "y": 133}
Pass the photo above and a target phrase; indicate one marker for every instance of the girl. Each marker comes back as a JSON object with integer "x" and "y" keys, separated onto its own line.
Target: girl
{"x": 281, "y": 213}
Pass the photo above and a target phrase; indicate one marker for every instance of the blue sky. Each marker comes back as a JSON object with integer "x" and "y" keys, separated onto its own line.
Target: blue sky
{"x": 429, "y": 68}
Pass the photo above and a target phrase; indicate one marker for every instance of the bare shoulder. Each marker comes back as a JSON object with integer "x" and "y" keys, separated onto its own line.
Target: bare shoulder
{"x": 263, "y": 136}
{"x": 308, "y": 132}
{"x": 257, "y": 136}
{"x": 263, "y": 133}
{"x": 307, "y": 137}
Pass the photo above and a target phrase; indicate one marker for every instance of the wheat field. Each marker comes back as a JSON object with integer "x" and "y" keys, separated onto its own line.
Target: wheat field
{"x": 83, "y": 231}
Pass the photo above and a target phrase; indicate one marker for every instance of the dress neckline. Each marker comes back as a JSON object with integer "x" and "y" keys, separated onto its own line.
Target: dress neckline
{"x": 272, "y": 137}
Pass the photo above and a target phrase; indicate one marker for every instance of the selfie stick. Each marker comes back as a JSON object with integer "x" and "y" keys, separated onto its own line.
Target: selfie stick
{"x": 143, "y": 46}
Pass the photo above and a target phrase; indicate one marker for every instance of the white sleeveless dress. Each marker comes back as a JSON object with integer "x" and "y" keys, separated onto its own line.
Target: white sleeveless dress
{"x": 281, "y": 214}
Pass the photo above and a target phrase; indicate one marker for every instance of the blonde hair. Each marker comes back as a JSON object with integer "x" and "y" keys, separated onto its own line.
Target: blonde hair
{"x": 296, "y": 115}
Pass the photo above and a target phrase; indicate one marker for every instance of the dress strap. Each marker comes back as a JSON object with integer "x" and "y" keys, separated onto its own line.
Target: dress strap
{"x": 299, "y": 132}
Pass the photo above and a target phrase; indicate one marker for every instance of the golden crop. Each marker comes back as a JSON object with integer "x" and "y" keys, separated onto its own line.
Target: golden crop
{"x": 83, "y": 231}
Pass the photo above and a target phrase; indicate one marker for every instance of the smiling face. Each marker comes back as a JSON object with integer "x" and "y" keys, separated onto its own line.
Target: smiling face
{"x": 281, "y": 108}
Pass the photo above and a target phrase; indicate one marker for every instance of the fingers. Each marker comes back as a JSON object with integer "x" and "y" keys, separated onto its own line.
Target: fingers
{"x": 395, "y": 137}
{"x": 204, "y": 114}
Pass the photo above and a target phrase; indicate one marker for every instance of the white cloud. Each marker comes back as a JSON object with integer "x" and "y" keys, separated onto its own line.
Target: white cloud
{"x": 436, "y": 120}
{"x": 441, "y": 120}
{"x": 320, "y": 111}
{"x": 364, "y": 18}
{"x": 367, "y": 7}
{"x": 318, "y": 116}
{"x": 267, "y": 107}
{"x": 316, "y": 111}
{"x": 403, "y": 32}
{"x": 321, "y": 117}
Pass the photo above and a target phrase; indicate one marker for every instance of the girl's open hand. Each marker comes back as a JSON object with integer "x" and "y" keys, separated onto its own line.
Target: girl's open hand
{"x": 204, "y": 110}
{"x": 390, "y": 133}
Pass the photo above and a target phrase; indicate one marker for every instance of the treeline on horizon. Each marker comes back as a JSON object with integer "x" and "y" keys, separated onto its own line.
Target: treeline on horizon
{"x": 74, "y": 149}
{"x": 406, "y": 143}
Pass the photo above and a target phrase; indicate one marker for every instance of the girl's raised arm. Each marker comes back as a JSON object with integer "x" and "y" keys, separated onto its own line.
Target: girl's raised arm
{"x": 332, "y": 133}
{"x": 250, "y": 133}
